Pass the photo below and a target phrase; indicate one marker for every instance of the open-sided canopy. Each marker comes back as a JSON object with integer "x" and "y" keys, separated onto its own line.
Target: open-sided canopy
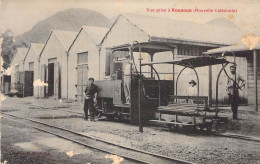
{"x": 192, "y": 62}
{"x": 147, "y": 47}
{"x": 233, "y": 48}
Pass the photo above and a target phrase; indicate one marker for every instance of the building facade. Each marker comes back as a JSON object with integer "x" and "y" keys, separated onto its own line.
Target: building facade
{"x": 53, "y": 64}
{"x": 31, "y": 63}
{"x": 247, "y": 61}
{"x": 83, "y": 59}
{"x": 16, "y": 65}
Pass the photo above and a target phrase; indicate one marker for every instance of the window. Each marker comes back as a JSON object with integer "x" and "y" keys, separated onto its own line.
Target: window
{"x": 82, "y": 58}
{"x": 31, "y": 66}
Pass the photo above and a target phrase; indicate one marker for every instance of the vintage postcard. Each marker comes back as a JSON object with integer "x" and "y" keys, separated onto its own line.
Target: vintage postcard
{"x": 130, "y": 81}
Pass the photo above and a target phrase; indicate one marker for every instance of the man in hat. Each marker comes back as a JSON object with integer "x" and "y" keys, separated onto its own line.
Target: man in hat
{"x": 127, "y": 79}
{"x": 90, "y": 98}
{"x": 234, "y": 83}
{"x": 192, "y": 90}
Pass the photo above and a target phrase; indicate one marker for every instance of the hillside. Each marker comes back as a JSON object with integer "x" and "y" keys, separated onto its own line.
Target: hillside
{"x": 222, "y": 22}
{"x": 69, "y": 20}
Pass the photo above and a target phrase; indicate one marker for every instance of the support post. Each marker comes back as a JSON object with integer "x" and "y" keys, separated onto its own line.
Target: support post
{"x": 255, "y": 80}
{"x": 139, "y": 85}
{"x": 210, "y": 86}
{"x": 99, "y": 54}
{"x": 139, "y": 104}
{"x": 174, "y": 54}
{"x": 151, "y": 56}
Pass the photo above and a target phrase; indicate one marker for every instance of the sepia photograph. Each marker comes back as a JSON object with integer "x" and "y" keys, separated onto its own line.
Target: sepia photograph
{"x": 130, "y": 81}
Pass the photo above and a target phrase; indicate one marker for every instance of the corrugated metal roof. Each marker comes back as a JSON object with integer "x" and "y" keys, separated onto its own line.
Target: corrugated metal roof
{"x": 96, "y": 33}
{"x": 22, "y": 51}
{"x": 176, "y": 29}
{"x": 66, "y": 37}
{"x": 37, "y": 48}
{"x": 233, "y": 48}
{"x": 20, "y": 55}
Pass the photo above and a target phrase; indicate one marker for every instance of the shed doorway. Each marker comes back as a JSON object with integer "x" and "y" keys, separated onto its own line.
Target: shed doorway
{"x": 82, "y": 75}
{"x": 50, "y": 79}
{"x": 54, "y": 79}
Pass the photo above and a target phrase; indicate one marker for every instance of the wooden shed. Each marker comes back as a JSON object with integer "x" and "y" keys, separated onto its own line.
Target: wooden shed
{"x": 31, "y": 63}
{"x": 249, "y": 66}
{"x": 84, "y": 54}
{"x": 53, "y": 64}
{"x": 190, "y": 39}
{"x": 5, "y": 83}
{"x": 17, "y": 67}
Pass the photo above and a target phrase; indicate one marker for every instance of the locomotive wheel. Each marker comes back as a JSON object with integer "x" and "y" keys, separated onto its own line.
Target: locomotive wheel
{"x": 110, "y": 117}
{"x": 172, "y": 127}
{"x": 202, "y": 126}
{"x": 209, "y": 127}
{"x": 189, "y": 129}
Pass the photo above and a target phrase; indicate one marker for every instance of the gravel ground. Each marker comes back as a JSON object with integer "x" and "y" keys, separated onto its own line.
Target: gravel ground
{"x": 197, "y": 148}
{"x": 24, "y": 145}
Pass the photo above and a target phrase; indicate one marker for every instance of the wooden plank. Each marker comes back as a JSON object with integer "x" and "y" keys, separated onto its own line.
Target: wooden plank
{"x": 180, "y": 108}
{"x": 41, "y": 88}
{"x": 79, "y": 84}
{"x": 174, "y": 109}
{"x": 187, "y": 113}
{"x": 250, "y": 78}
{"x": 177, "y": 110}
{"x": 122, "y": 105}
{"x": 188, "y": 97}
{"x": 57, "y": 80}
{"x": 174, "y": 123}
{"x": 186, "y": 105}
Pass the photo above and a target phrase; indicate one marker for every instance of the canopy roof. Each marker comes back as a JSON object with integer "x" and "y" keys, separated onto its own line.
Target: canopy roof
{"x": 148, "y": 47}
{"x": 233, "y": 48}
{"x": 192, "y": 62}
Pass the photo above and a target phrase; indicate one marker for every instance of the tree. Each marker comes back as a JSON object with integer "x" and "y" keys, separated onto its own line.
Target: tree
{"x": 8, "y": 48}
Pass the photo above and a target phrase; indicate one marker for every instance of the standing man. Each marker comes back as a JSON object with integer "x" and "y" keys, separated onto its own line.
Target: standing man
{"x": 233, "y": 85}
{"x": 192, "y": 90}
{"x": 90, "y": 98}
{"x": 127, "y": 79}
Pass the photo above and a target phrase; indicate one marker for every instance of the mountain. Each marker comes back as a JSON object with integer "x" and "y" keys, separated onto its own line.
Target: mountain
{"x": 68, "y": 20}
{"x": 222, "y": 22}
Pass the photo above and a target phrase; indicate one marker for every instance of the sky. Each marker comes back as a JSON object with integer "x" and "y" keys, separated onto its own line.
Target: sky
{"x": 21, "y": 15}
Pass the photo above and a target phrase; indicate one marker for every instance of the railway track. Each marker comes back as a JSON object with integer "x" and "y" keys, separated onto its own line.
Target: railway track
{"x": 60, "y": 109}
{"x": 233, "y": 136}
{"x": 135, "y": 155}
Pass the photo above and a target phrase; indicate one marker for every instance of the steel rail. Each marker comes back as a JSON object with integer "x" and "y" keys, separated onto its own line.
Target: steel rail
{"x": 239, "y": 137}
{"x": 60, "y": 109}
{"x": 46, "y": 108}
{"x": 72, "y": 140}
{"x": 101, "y": 140}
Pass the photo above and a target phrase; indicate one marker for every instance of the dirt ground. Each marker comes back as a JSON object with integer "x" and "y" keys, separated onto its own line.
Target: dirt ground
{"x": 23, "y": 145}
{"x": 195, "y": 147}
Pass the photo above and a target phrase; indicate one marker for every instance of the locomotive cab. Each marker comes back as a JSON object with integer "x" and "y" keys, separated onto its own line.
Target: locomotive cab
{"x": 112, "y": 100}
